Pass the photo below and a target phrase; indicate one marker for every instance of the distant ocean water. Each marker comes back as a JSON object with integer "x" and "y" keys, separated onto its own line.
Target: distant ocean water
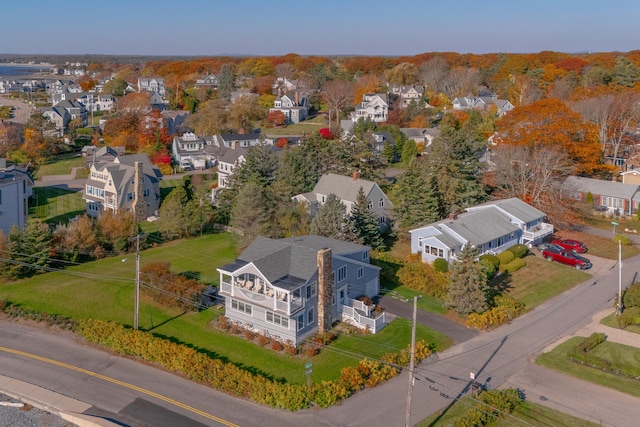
{"x": 18, "y": 70}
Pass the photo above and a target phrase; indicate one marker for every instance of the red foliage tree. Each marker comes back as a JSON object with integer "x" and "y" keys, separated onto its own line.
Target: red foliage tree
{"x": 277, "y": 118}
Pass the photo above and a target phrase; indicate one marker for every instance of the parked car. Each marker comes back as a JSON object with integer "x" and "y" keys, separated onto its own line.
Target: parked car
{"x": 555, "y": 253}
{"x": 542, "y": 246}
{"x": 571, "y": 245}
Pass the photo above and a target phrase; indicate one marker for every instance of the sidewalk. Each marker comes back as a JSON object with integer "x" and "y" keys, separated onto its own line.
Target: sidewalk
{"x": 67, "y": 408}
{"x": 616, "y": 335}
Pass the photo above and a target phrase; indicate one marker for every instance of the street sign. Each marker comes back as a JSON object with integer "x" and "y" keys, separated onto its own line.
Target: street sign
{"x": 308, "y": 365}
{"x": 472, "y": 375}
{"x": 614, "y": 223}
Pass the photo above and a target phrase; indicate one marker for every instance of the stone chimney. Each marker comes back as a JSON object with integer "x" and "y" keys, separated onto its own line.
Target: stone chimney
{"x": 356, "y": 175}
{"x": 139, "y": 204}
{"x": 325, "y": 290}
{"x": 453, "y": 216}
{"x": 234, "y": 145}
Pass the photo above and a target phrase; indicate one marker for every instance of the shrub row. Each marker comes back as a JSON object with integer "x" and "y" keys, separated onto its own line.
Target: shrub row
{"x": 580, "y": 354}
{"x": 13, "y": 311}
{"x": 506, "y": 308}
{"x": 231, "y": 379}
{"x": 630, "y": 316}
{"x": 496, "y": 403}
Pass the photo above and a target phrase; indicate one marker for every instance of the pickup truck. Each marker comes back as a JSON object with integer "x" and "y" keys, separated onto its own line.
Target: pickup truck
{"x": 555, "y": 253}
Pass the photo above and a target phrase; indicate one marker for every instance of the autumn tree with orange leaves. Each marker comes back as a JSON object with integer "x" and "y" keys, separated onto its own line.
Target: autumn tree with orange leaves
{"x": 550, "y": 123}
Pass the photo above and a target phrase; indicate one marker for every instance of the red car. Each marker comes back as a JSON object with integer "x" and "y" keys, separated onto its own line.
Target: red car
{"x": 571, "y": 245}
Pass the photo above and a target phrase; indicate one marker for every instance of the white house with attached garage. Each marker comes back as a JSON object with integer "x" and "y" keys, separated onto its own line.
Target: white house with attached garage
{"x": 289, "y": 289}
{"x": 491, "y": 227}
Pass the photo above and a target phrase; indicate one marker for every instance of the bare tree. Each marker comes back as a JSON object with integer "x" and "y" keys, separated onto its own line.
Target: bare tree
{"x": 535, "y": 175}
{"x": 404, "y": 73}
{"x": 524, "y": 91}
{"x": 337, "y": 93}
{"x": 433, "y": 72}
{"x": 460, "y": 81}
{"x": 563, "y": 88}
{"x": 614, "y": 115}
{"x": 284, "y": 70}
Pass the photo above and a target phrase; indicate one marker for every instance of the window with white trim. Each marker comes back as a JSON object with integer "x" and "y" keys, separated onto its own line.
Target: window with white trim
{"x": 342, "y": 273}
{"x": 381, "y": 203}
{"x": 277, "y": 319}
{"x": 241, "y": 306}
{"x": 360, "y": 272}
{"x": 310, "y": 316}
{"x": 300, "y": 321}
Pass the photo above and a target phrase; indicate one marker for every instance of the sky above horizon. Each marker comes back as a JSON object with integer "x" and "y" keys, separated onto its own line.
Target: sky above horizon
{"x": 328, "y": 27}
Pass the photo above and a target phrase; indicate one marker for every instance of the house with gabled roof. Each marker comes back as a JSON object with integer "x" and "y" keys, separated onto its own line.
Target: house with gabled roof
{"x": 64, "y": 112}
{"x": 491, "y": 227}
{"x": 374, "y": 106}
{"x": 346, "y": 188}
{"x": 130, "y": 183}
{"x": 407, "y": 94}
{"x": 482, "y": 102}
{"x": 209, "y": 81}
{"x": 151, "y": 84}
{"x": 613, "y": 197}
{"x": 294, "y": 106}
{"x": 289, "y": 289}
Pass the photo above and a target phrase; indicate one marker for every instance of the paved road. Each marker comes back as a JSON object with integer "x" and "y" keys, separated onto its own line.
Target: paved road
{"x": 22, "y": 112}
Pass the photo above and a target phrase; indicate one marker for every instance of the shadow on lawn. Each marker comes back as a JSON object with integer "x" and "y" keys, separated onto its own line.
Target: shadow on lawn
{"x": 212, "y": 354}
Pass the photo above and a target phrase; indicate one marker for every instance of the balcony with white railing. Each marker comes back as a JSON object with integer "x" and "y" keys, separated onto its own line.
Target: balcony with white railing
{"x": 259, "y": 292}
{"x": 537, "y": 233}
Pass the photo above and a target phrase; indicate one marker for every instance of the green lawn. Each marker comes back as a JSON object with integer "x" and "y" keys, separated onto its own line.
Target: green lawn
{"x": 526, "y": 414}
{"x": 60, "y": 166}
{"x": 55, "y": 205}
{"x": 306, "y": 127}
{"x": 425, "y": 302}
{"x": 610, "y": 320}
{"x": 532, "y": 288}
{"x": 106, "y": 291}
{"x": 558, "y": 359}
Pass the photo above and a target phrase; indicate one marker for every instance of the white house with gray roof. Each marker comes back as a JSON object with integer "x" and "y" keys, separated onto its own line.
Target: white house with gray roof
{"x": 482, "y": 102}
{"x": 491, "y": 227}
{"x": 374, "y": 106}
{"x": 288, "y": 288}
{"x": 346, "y": 188}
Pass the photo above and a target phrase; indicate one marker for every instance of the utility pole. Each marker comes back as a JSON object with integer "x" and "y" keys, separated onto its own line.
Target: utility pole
{"x": 412, "y": 361}
{"x": 619, "y": 306}
{"x": 137, "y": 293}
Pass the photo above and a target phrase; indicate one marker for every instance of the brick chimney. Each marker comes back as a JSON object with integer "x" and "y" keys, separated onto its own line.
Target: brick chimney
{"x": 356, "y": 175}
{"x": 325, "y": 290}
{"x": 297, "y": 99}
{"x": 139, "y": 204}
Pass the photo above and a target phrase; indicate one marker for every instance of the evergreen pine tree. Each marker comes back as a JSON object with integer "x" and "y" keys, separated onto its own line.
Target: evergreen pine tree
{"x": 416, "y": 198}
{"x": 365, "y": 222}
{"x": 329, "y": 221}
{"x": 468, "y": 283}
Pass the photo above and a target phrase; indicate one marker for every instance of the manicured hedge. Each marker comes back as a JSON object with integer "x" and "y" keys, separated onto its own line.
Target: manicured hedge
{"x": 505, "y": 257}
{"x": 239, "y": 382}
{"x": 519, "y": 250}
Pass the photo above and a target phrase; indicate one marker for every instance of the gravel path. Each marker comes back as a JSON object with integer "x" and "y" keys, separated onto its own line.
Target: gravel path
{"x": 28, "y": 416}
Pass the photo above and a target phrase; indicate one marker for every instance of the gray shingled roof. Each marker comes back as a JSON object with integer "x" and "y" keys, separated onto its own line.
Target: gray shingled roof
{"x": 290, "y": 260}
{"x": 481, "y": 226}
{"x": 601, "y": 187}
{"x": 516, "y": 207}
{"x": 344, "y": 187}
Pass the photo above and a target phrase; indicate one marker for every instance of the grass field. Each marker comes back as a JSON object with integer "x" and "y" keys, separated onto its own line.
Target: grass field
{"x": 558, "y": 359}
{"x": 527, "y": 414}
{"x": 105, "y": 289}
{"x": 306, "y": 127}
{"x": 610, "y": 320}
{"x": 60, "y": 166}
{"x": 532, "y": 288}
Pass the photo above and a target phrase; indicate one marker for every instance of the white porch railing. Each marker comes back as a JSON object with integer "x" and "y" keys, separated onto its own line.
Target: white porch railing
{"x": 358, "y": 314}
{"x": 277, "y": 300}
{"x": 537, "y": 232}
